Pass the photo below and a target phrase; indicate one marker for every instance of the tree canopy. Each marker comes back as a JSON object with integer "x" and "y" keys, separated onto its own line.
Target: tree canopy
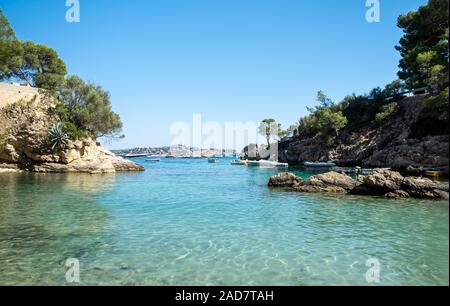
{"x": 425, "y": 62}
{"x": 6, "y": 32}
{"x": 84, "y": 108}
{"x": 424, "y": 46}
{"x": 35, "y": 64}
{"x": 326, "y": 121}
{"x": 88, "y": 107}
{"x": 269, "y": 128}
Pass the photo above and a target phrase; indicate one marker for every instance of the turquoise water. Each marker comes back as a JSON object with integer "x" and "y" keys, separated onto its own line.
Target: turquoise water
{"x": 187, "y": 222}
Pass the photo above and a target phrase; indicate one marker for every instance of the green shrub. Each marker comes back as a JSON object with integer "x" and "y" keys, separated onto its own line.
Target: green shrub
{"x": 386, "y": 112}
{"x": 324, "y": 122}
{"x": 433, "y": 119}
{"x": 74, "y": 132}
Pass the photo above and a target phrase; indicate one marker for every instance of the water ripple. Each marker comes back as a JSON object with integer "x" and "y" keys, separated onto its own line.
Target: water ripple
{"x": 192, "y": 223}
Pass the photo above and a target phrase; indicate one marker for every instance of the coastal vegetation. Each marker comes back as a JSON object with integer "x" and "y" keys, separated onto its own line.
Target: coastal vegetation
{"x": 404, "y": 125}
{"x": 269, "y": 128}
{"x": 425, "y": 63}
{"x": 325, "y": 121}
{"x": 51, "y": 122}
{"x": 6, "y": 31}
{"x": 84, "y": 108}
{"x": 37, "y": 65}
{"x": 424, "y": 46}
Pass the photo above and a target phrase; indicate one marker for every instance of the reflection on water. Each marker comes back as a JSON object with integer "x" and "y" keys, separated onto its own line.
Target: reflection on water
{"x": 194, "y": 223}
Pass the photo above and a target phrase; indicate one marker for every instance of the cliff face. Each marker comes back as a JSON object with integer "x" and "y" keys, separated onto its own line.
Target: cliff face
{"x": 24, "y": 143}
{"x": 383, "y": 145}
{"x": 12, "y": 93}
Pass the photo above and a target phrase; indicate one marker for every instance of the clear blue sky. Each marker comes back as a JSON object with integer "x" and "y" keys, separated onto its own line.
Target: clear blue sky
{"x": 230, "y": 60}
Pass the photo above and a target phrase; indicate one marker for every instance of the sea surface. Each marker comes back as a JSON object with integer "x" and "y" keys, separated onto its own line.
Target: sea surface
{"x": 187, "y": 222}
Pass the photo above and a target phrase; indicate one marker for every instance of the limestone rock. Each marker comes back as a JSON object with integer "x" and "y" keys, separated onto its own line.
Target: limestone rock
{"x": 389, "y": 184}
{"x": 398, "y": 194}
{"x": 9, "y": 168}
{"x": 331, "y": 182}
{"x": 69, "y": 156}
{"x": 383, "y": 181}
{"x": 425, "y": 188}
{"x": 284, "y": 180}
{"x": 393, "y": 185}
{"x": 24, "y": 130}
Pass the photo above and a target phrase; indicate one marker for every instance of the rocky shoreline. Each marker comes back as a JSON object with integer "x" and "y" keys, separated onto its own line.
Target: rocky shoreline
{"x": 386, "y": 183}
{"x": 384, "y": 145}
{"x": 24, "y": 146}
{"x": 79, "y": 157}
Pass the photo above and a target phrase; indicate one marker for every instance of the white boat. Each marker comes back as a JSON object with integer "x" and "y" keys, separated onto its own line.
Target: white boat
{"x": 253, "y": 163}
{"x": 346, "y": 170}
{"x": 320, "y": 165}
{"x": 157, "y": 156}
{"x": 239, "y": 162}
{"x": 266, "y": 164}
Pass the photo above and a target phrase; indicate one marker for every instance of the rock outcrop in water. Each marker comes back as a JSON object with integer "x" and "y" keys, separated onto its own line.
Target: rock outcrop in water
{"x": 393, "y": 185}
{"x": 386, "y": 183}
{"x": 285, "y": 180}
{"x": 24, "y": 127}
{"x": 331, "y": 182}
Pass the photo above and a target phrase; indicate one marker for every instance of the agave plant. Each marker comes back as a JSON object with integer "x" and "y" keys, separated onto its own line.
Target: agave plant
{"x": 58, "y": 136}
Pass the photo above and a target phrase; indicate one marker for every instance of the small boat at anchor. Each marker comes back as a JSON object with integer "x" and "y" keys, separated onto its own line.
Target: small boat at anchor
{"x": 320, "y": 164}
{"x": 153, "y": 160}
{"x": 213, "y": 161}
{"x": 131, "y": 155}
{"x": 266, "y": 164}
{"x": 434, "y": 173}
{"x": 239, "y": 162}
